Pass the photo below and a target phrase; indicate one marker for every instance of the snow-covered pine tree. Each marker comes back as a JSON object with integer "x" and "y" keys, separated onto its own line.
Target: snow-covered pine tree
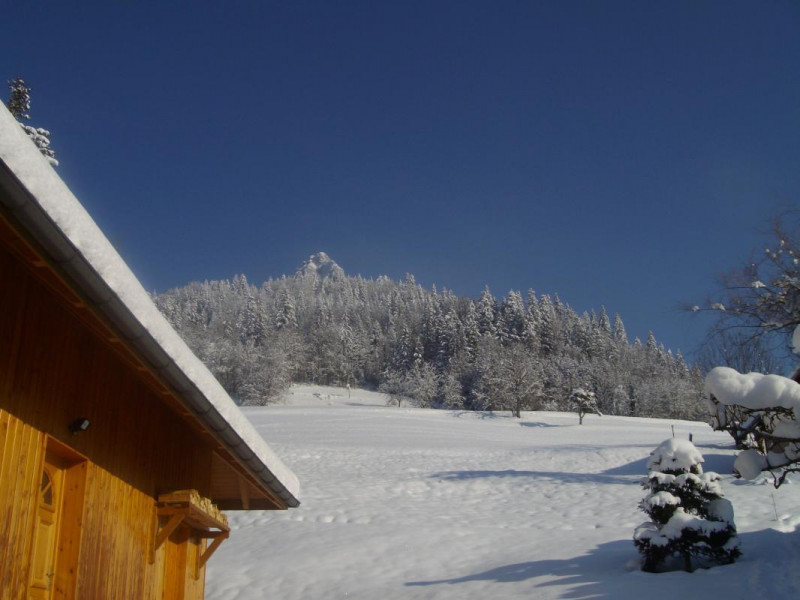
{"x": 511, "y": 319}
{"x": 20, "y": 101}
{"x": 548, "y": 332}
{"x": 689, "y": 518}
{"x": 287, "y": 316}
{"x": 620, "y": 335}
{"x": 18, "y": 105}
{"x": 487, "y": 313}
{"x": 471, "y": 331}
{"x": 530, "y": 337}
{"x": 585, "y": 402}
{"x": 604, "y": 323}
{"x": 652, "y": 345}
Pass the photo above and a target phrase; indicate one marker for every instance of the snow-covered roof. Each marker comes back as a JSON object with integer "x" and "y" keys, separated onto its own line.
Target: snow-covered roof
{"x": 43, "y": 204}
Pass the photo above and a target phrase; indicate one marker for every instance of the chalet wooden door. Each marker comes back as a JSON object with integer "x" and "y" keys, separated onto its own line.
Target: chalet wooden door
{"x": 45, "y": 534}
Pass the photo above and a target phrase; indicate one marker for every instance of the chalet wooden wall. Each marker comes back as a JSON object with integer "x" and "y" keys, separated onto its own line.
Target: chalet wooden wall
{"x": 19, "y": 466}
{"x": 52, "y": 371}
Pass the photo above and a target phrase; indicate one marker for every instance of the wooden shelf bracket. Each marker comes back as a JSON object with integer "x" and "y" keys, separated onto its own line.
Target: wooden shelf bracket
{"x": 187, "y": 507}
{"x": 167, "y": 530}
{"x": 218, "y": 537}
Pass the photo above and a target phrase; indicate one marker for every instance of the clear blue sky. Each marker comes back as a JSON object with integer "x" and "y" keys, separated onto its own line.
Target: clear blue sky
{"x": 616, "y": 153}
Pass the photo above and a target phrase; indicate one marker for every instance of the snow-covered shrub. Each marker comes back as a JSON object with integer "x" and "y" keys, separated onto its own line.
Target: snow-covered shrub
{"x": 765, "y": 409}
{"x": 584, "y": 402}
{"x": 689, "y": 518}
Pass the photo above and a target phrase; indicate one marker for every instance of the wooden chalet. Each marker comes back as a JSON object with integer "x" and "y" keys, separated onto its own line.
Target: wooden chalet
{"x": 118, "y": 449}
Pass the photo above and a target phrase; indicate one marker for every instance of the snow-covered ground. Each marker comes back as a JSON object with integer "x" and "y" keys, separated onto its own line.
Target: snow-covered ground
{"x": 413, "y": 503}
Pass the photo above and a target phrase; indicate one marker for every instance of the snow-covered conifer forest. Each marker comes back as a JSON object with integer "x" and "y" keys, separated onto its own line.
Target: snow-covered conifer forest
{"x": 429, "y": 348}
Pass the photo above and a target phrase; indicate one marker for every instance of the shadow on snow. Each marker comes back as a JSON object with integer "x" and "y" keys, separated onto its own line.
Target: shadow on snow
{"x": 591, "y": 575}
{"x": 481, "y": 414}
{"x": 560, "y": 476}
{"x": 629, "y": 473}
{"x": 537, "y": 424}
{"x": 611, "y": 570}
{"x": 719, "y": 463}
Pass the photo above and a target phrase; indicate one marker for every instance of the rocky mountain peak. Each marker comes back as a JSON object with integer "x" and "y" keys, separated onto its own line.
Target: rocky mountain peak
{"x": 321, "y": 266}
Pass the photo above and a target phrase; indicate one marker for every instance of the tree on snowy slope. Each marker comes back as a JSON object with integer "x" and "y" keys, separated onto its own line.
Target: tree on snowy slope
{"x": 510, "y": 378}
{"x": 418, "y": 385}
{"x": 584, "y": 402}
{"x": 395, "y": 386}
{"x": 689, "y": 518}
{"x": 19, "y": 105}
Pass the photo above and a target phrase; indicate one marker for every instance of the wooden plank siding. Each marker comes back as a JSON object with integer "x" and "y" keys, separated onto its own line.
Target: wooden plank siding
{"x": 54, "y": 369}
{"x": 19, "y": 478}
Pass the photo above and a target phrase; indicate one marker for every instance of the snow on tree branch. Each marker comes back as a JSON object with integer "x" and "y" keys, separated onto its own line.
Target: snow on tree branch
{"x": 762, "y": 413}
{"x": 763, "y": 296}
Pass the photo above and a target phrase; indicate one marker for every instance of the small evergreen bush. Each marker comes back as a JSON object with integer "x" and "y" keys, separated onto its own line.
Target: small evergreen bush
{"x": 689, "y": 518}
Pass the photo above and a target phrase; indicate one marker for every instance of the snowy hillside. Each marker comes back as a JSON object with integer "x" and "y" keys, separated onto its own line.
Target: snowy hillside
{"x": 414, "y": 503}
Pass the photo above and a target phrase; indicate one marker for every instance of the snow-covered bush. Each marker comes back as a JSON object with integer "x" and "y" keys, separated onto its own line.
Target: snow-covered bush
{"x": 689, "y": 518}
{"x": 584, "y": 402}
{"x": 762, "y": 411}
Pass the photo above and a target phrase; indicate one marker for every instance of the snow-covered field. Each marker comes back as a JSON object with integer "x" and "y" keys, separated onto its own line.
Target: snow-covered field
{"x": 414, "y": 503}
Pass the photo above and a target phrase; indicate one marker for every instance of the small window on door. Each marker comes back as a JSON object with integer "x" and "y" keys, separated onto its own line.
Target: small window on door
{"x": 46, "y": 489}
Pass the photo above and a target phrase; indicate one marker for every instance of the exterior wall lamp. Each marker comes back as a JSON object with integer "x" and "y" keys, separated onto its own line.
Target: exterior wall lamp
{"x": 79, "y": 425}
